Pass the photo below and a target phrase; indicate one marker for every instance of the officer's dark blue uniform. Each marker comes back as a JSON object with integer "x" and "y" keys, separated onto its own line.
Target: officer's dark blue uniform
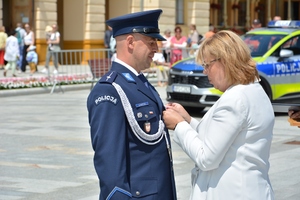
{"x": 127, "y": 166}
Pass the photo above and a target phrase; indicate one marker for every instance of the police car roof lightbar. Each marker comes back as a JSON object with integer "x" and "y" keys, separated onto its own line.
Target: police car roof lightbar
{"x": 284, "y": 24}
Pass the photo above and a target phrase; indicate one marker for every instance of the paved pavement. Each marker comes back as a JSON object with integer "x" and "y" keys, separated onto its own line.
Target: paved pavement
{"x": 45, "y": 150}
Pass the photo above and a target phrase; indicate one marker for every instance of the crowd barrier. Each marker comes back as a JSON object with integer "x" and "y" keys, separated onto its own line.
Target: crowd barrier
{"x": 76, "y": 66}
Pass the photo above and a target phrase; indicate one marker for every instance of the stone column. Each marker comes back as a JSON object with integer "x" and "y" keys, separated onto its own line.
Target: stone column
{"x": 45, "y": 14}
{"x": 94, "y": 24}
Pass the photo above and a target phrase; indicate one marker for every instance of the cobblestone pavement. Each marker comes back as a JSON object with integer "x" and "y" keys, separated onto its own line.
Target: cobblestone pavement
{"x": 45, "y": 150}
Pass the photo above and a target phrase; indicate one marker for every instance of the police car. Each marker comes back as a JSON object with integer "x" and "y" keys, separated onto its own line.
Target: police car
{"x": 275, "y": 48}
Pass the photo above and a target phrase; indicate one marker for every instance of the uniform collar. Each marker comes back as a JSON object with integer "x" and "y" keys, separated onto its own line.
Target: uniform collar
{"x": 127, "y": 66}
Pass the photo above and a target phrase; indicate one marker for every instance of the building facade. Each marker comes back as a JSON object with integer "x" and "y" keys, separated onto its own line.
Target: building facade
{"x": 82, "y": 22}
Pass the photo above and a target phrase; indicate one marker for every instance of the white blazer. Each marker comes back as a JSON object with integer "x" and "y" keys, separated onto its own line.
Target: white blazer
{"x": 231, "y": 146}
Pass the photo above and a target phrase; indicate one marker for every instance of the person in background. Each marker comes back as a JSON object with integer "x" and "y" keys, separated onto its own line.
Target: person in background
{"x": 193, "y": 38}
{"x": 48, "y": 32}
{"x": 276, "y": 18}
{"x": 32, "y": 59}
{"x": 11, "y": 53}
{"x": 166, "y": 45}
{"x": 231, "y": 144}
{"x": 162, "y": 67}
{"x": 210, "y": 32}
{"x": 107, "y": 39}
{"x": 53, "y": 46}
{"x": 131, "y": 144}
{"x": 112, "y": 46}
{"x": 178, "y": 43}
{"x": 29, "y": 39}
{"x": 3, "y": 37}
{"x": 20, "y": 36}
{"x": 256, "y": 24}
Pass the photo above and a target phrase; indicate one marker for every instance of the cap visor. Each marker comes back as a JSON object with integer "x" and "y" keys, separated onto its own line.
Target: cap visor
{"x": 155, "y": 35}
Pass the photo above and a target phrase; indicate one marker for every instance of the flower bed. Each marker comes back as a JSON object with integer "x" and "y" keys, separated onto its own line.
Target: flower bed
{"x": 43, "y": 81}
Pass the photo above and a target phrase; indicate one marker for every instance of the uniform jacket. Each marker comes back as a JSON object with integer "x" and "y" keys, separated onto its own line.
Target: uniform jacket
{"x": 126, "y": 167}
{"x": 231, "y": 146}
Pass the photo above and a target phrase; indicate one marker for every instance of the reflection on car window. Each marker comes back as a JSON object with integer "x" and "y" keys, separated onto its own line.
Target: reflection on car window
{"x": 292, "y": 44}
{"x": 260, "y": 44}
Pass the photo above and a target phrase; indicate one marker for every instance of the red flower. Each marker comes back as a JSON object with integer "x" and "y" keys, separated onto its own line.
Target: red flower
{"x": 215, "y": 6}
{"x": 235, "y": 6}
{"x": 259, "y": 8}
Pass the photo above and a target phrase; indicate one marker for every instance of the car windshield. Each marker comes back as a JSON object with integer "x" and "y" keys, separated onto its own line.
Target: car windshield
{"x": 260, "y": 44}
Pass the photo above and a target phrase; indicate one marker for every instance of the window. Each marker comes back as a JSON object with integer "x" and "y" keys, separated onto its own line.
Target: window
{"x": 179, "y": 12}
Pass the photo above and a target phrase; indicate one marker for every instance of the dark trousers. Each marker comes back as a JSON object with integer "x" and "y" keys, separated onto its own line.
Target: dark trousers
{"x": 24, "y": 62}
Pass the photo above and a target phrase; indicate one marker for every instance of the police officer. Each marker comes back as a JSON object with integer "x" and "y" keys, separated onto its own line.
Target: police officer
{"x": 131, "y": 143}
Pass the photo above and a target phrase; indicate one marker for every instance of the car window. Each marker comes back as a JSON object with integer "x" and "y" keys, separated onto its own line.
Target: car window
{"x": 260, "y": 44}
{"x": 292, "y": 44}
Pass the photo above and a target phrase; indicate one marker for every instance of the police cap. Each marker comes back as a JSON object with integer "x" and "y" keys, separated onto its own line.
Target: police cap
{"x": 145, "y": 22}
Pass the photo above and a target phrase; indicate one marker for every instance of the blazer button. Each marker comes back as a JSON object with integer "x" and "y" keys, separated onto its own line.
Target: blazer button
{"x": 137, "y": 193}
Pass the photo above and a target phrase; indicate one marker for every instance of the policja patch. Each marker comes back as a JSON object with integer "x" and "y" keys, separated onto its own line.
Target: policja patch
{"x": 105, "y": 98}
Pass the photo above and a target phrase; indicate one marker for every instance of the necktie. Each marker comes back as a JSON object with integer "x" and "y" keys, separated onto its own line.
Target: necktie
{"x": 143, "y": 79}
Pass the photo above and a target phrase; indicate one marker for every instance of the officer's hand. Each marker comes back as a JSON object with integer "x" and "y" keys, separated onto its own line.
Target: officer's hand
{"x": 172, "y": 118}
{"x": 179, "y": 109}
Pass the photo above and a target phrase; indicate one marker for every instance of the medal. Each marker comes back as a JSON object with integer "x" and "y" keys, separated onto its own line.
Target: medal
{"x": 139, "y": 115}
{"x": 147, "y": 127}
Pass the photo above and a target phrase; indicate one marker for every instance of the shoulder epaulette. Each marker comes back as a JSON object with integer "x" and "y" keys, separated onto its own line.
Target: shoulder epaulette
{"x": 109, "y": 77}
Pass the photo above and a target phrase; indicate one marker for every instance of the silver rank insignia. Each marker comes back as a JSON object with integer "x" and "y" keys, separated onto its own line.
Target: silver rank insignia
{"x": 139, "y": 115}
{"x": 147, "y": 127}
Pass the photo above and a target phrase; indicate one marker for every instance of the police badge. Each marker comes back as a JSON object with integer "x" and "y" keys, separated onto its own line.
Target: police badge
{"x": 147, "y": 127}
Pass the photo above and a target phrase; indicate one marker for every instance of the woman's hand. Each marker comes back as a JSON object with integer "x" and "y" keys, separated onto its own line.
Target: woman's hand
{"x": 179, "y": 109}
{"x": 172, "y": 118}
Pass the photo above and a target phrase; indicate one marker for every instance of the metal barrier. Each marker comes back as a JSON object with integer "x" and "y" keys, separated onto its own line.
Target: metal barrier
{"x": 91, "y": 64}
{"x": 88, "y": 65}
{"x": 75, "y": 66}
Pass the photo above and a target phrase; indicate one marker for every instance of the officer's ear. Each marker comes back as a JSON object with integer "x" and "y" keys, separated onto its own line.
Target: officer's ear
{"x": 130, "y": 41}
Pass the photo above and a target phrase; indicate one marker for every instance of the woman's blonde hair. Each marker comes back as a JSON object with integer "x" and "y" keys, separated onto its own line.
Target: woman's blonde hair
{"x": 48, "y": 29}
{"x": 233, "y": 53}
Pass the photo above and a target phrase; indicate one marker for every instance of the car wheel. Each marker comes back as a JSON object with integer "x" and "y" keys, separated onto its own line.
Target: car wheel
{"x": 266, "y": 87}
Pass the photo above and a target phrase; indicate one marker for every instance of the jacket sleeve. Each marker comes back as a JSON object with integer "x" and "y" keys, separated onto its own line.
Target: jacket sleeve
{"x": 108, "y": 126}
{"x": 219, "y": 133}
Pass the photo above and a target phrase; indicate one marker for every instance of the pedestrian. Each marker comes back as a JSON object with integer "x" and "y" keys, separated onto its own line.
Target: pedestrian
{"x": 20, "y": 36}
{"x": 3, "y": 37}
{"x": 132, "y": 146}
{"x": 32, "y": 59}
{"x": 231, "y": 144}
{"x": 53, "y": 46}
{"x": 193, "y": 38}
{"x": 178, "y": 45}
{"x": 276, "y": 18}
{"x": 209, "y": 33}
{"x": 162, "y": 67}
{"x": 166, "y": 45}
{"x": 11, "y": 53}
{"x": 29, "y": 39}
{"x": 107, "y": 39}
{"x": 256, "y": 24}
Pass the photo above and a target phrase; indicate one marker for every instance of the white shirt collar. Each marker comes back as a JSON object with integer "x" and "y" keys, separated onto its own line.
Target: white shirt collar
{"x": 127, "y": 66}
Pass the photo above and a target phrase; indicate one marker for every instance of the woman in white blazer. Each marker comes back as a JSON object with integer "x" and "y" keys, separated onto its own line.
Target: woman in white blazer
{"x": 231, "y": 144}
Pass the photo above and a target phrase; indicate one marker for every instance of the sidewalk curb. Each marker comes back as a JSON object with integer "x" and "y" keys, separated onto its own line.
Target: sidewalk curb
{"x": 43, "y": 90}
